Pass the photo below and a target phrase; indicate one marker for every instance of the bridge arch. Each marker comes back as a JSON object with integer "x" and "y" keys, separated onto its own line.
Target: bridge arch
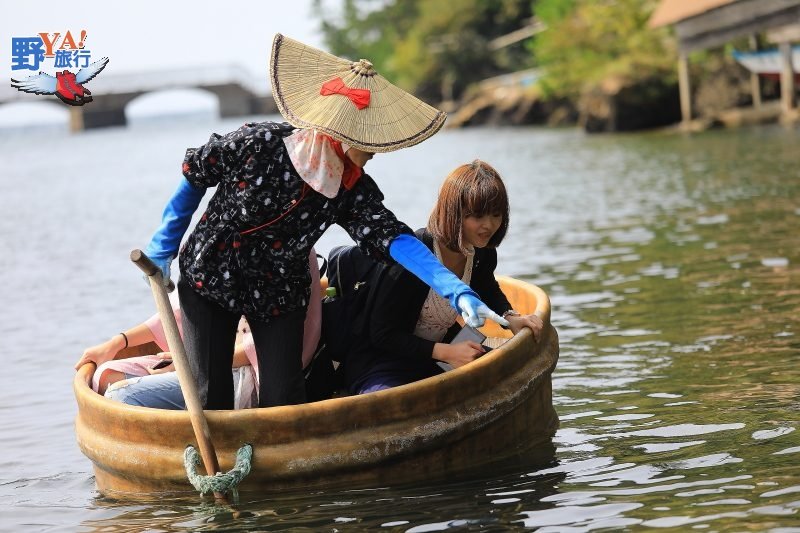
{"x": 173, "y": 102}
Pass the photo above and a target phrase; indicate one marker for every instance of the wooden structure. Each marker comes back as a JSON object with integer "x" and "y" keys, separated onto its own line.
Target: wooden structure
{"x": 531, "y": 28}
{"x": 702, "y": 24}
{"x": 496, "y": 409}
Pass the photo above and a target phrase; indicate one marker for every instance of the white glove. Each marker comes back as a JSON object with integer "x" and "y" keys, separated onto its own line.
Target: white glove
{"x": 475, "y": 312}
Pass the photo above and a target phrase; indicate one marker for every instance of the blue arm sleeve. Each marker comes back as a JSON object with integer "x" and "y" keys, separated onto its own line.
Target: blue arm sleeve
{"x": 417, "y": 259}
{"x": 174, "y": 222}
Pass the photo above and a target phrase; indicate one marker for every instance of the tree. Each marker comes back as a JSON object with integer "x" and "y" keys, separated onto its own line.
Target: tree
{"x": 588, "y": 41}
{"x": 434, "y": 48}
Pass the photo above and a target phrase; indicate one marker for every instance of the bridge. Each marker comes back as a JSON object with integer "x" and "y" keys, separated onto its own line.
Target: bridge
{"x": 238, "y": 92}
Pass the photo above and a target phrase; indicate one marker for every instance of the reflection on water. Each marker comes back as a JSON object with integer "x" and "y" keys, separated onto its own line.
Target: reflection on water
{"x": 673, "y": 267}
{"x": 678, "y": 381}
{"x": 485, "y": 501}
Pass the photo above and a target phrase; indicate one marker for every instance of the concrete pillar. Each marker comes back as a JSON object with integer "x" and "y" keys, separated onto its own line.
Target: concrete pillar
{"x": 755, "y": 82}
{"x": 75, "y": 119}
{"x": 684, "y": 87}
{"x": 787, "y": 77}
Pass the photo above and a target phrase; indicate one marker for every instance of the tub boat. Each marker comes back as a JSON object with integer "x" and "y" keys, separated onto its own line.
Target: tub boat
{"x": 495, "y": 409}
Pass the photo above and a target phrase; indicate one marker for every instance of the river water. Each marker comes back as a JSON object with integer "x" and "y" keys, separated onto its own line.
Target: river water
{"x": 672, "y": 262}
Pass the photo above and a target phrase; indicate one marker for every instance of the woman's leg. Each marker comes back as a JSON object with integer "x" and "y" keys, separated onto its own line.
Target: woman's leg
{"x": 119, "y": 369}
{"x": 162, "y": 391}
{"x": 209, "y": 334}
{"x": 381, "y": 381}
{"x": 107, "y": 377}
{"x": 279, "y": 346}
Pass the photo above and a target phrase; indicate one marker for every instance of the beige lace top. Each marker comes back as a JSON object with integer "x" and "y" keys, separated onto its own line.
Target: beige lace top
{"x": 437, "y": 315}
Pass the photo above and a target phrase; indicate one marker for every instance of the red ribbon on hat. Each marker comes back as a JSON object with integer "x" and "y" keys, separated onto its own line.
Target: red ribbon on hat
{"x": 359, "y": 97}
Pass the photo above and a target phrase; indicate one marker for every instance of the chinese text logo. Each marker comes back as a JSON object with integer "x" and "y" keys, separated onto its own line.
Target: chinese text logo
{"x": 29, "y": 53}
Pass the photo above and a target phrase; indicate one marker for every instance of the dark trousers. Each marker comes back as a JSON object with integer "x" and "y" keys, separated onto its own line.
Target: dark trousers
{"x": 209, "y": 334}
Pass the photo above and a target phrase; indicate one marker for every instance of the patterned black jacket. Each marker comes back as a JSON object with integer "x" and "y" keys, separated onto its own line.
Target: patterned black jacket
{"x": 249, "y": 251}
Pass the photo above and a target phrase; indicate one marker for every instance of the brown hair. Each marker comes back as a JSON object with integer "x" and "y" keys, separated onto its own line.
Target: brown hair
{"x": 473, "y": 189}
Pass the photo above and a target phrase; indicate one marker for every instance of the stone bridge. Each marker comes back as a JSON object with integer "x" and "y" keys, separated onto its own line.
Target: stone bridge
{"x": 238, "y": 92}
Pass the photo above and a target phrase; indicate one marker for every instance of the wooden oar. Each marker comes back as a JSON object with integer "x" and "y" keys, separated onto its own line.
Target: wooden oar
{"x": 188, "y": 386}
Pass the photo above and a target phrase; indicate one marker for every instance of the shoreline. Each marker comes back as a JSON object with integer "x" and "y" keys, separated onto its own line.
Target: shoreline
{"x": 508, "y": 106}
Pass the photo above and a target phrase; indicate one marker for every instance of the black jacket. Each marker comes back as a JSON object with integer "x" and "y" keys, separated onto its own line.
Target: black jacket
{"x": 389, "y": 345}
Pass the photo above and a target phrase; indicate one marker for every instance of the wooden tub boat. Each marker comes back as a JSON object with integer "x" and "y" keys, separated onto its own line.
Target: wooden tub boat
{"x": 496, "y": 408}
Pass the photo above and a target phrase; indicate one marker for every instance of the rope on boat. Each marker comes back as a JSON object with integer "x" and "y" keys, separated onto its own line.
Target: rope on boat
{"x": 219, "y": 482}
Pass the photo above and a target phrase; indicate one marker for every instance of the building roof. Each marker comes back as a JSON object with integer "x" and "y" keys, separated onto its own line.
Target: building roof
{"x": 671, "y": 11}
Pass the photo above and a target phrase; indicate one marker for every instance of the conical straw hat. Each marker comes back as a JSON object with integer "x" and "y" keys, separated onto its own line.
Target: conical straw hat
{"x": 393, "y": 118}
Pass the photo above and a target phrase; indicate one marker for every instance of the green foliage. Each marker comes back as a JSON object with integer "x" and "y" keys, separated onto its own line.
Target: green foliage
{"x": 434, "y": 48}
{"x": 437, "y": 48}
{"x": 553, "y": 11}
{"x": 367, "y": 29}
{"x": 588, "y": 41}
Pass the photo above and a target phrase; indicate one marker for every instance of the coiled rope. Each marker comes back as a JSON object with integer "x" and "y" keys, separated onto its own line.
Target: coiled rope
{"x": 219, "y": 482}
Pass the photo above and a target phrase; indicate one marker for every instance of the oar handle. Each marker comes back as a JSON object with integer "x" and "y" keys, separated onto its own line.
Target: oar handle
{"x": 149, "y": 268}
{"x": 188, "y": 387}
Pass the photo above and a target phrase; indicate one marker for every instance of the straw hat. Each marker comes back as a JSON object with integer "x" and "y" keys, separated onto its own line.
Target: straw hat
{"x": 347, "y": 100}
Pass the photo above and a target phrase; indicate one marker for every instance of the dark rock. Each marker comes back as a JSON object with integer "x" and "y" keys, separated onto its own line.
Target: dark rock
{"x": 620, "y": 104}
{"x": 721, "y": 85}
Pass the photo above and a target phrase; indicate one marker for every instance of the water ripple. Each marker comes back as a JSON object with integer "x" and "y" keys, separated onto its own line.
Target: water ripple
{"x": 672, "y": 263}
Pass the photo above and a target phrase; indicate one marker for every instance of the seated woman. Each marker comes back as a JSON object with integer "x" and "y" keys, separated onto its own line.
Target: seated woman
{"x": 136, "y": 381}
{"x": 411, "y": 325}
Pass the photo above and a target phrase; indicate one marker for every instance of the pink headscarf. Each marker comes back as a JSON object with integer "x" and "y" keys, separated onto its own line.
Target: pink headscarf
{"x": 321, "y": 162}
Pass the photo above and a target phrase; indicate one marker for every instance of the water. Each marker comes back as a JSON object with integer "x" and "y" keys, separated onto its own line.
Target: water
{"x": 674, "y": 271}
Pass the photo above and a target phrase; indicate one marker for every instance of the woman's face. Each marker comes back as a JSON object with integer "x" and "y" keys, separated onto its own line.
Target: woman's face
{"x": 479, "y": 230}
{"x": 358, "y": 157}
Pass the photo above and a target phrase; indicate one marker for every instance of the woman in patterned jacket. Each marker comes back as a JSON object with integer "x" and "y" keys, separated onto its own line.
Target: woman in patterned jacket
{"x": 278, "y": 188}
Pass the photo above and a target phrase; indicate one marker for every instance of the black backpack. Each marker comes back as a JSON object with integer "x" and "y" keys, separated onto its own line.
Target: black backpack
{"x": 345, "y": 316}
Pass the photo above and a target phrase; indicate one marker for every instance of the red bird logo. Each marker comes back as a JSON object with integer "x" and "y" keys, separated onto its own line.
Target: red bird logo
{"x": 66, "y": 85}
